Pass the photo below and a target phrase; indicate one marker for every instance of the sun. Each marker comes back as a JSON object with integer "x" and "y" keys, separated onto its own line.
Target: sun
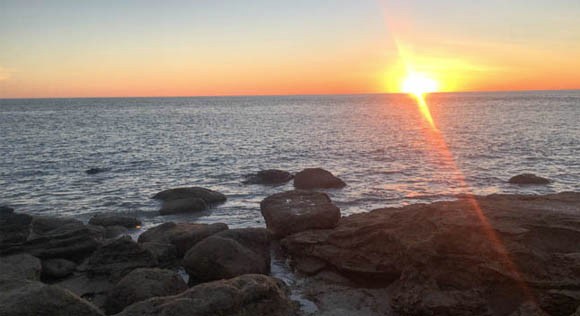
{"x": 419, "y": 84}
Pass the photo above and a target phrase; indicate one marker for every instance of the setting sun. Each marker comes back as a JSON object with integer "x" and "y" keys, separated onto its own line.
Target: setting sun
{"x": 419, "y": 84}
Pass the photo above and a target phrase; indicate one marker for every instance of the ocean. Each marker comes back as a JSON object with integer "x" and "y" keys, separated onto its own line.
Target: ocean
{"x": 380, "y": 145}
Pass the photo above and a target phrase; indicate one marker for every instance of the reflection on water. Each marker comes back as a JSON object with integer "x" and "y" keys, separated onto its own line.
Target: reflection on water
{"x": 376, "y": 143}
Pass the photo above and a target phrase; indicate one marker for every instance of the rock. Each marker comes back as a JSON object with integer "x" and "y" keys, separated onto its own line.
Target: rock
{"x": 41, "y": 225}
{"x": 118, "y": 257}
{"x": 295, "y": 211}
{"x": 23, "y": 298}
{"x": 317, "y": 178}
{"x": 165, "y": 253}
{"x": 115, "y": 231}
{"x": 528, "y": 178}
{"x": 93, "y": 289}
{"x": 187, "y": 205}
{"x": 228, "y": 254}
{"x": 182, "y": 235}
{"x": 6, "y": 210}
{"x": 20, "y": 267}
{"x": 115, "y": 220}
{"x": 446, "y": 260}
{"x": 269, "y": 177}
{"x": 56, "y": 238}
{"x": 57, "y": 268}
{"x": 208, "y": 196}
{"x": 142, "y": 284}
{"x": 96, "y": 170}
{"x": 14, "y": 227}
{"x": 252, "y": 294}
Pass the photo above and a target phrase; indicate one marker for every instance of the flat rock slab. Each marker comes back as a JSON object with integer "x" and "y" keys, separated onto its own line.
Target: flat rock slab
{"x": 298, "y": 210}
{"x": 250, "y": 294}
{"x": 474, "y": 256}
{"x": 317, "y": 178}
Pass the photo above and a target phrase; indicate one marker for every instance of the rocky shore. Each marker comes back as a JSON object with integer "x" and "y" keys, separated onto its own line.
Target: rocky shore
{"x": 495, "y": 255}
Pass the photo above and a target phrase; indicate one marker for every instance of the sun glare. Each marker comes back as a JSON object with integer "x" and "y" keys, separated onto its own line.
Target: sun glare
{"x": 419, "y": 84}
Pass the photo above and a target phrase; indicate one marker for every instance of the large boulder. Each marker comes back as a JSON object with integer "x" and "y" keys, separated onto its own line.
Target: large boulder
{"x": 252, "y": 294}
{"x": 317, "y": 178}
{"x": 142, "y": 284}
{"x": 182, "y": 235}
{"x": 528, "y": 179}
{"x": 53, "y": 237}
{"x": 207, "y": 195}
{"x": 57, "y": 268}
{"x": 298, "y": 210}
{"x": 269, "y": 177}
{"x": 14, "y": 227}
{"x": 228, "y": 254}
{"x": 115, "y": 220}
{"x": 118, "y": 257}
{"x": 20, "y": 267}
{"x": 474, "y": 256}
{"x": 28, "y": 298}
{"x": 185, "y": 205}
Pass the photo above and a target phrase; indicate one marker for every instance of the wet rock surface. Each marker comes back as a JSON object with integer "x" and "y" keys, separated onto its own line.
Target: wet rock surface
{"x": 251, "y": 294}
{"x": 20, "y": 267}
{"x": 269, "y": 177}
{"x": 141, "y": 284}
{"x": 228, "y": 254}
{"x": 57, "y": 268}
{"x": 475, "y": 256}
{"x": 298, "y": 210}
{"x": 185, "y": 205}
{"x": 182, "y": 235}
{"x": 317, "y": 178}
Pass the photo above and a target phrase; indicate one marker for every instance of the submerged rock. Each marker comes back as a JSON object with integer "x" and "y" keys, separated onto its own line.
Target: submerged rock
{"x": 207, "y": 195}
{"x": 446, "y": 259}
{"x": 20, "y": 267}
{"x": 528, "y": 178}
{"x": 317, "y": 178}
{"x": 182, "y": 235}
{"x": 298, "y": 210}
{"x": 22, "y": 298}
{"x": 251, "y": 294}
{"x": 115, "y": 220}
{"x": 96, "y": 170}
{"x": 269, "y": 177}
{"x": 186, "y": 205}
{"x": 142, "y": 284}
{"x": 228, "y": 254}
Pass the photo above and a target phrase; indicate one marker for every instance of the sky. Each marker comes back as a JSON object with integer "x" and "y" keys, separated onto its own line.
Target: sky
{"x": 112, "y": 48}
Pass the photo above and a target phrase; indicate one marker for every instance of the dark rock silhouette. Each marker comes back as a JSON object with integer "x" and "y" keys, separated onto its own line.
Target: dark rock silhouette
{"x": 185, "y": 205}
{"x": 228, "y": 254}
{"x": 115, "y": 220}
{"x": 57, "y": 268}
{"x": 207, "y": 195}
{"x": 96, "y": 170}
{"x": 317, "y": 178}
{"x": 20, "y": 267}
{"x": 528, "y": 178}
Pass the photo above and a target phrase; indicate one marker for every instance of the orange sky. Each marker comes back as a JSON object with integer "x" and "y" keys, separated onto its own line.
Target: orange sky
{"x": 184, "y": 48}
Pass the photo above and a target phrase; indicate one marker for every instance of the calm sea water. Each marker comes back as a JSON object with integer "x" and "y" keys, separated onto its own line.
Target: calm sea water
{"x": 379, "y": 144}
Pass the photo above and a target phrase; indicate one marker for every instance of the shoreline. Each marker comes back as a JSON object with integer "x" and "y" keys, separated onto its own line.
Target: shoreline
{"x": 320, "y": 278}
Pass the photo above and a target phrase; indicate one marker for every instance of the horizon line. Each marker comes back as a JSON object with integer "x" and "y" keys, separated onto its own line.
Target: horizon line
{"x": 278, "y": 95}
